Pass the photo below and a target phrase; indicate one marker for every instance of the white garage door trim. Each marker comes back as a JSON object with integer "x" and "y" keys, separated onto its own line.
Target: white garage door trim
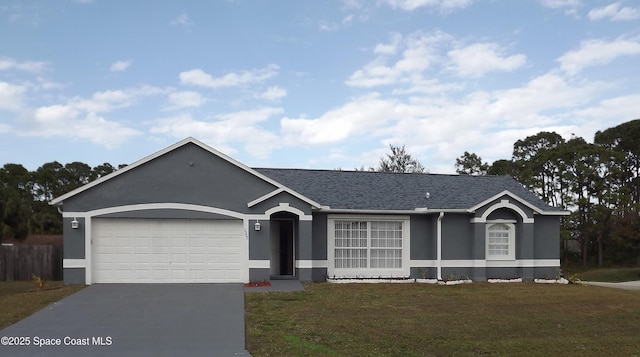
{"x": 168, "y": 251}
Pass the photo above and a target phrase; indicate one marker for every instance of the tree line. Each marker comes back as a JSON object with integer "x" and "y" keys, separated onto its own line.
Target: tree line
{"x": 25, "y": 195}
{"x": 598, "y": 182}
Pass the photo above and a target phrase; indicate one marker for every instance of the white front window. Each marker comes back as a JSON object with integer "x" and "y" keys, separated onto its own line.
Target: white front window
{"x": 500, "y": 241}
{"x": 368, "y": 247}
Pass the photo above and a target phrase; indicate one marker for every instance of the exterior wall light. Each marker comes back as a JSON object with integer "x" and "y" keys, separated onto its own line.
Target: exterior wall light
{"x": 75, "y": 224}
{"x": 256, "y": 226}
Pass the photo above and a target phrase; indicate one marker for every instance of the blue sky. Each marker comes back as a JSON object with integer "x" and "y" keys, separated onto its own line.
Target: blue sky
{"x": 310, "y": 84}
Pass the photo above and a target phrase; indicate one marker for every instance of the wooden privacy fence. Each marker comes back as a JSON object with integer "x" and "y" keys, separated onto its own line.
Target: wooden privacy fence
{"x": 18, "y": 262}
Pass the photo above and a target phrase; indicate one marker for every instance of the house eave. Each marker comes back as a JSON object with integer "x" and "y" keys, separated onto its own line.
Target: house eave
{"x": 371, "y": 211}
{"x": 554, "y": 213}
{"x": 535, "y": 209}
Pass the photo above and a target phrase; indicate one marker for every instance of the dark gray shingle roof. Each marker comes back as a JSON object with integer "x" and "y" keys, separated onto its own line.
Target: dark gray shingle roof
{"x": 365, "y": 190}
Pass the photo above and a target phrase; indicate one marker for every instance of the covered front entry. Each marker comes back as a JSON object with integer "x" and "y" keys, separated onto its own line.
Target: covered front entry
{"x": 168, "y": 251}
{"x": 284, "y": 227}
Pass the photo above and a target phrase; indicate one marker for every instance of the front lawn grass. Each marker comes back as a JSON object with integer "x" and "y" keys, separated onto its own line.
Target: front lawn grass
{"x": 479, "y": 319}
{"x": 19, "y": 299}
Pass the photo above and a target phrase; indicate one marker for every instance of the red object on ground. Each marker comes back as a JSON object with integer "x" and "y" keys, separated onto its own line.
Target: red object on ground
{"x": 255, "y": 284}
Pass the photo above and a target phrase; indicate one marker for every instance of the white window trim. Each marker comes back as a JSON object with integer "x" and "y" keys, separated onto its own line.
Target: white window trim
{"x": 511, "y": 224}
{"x": 368, "y": 272}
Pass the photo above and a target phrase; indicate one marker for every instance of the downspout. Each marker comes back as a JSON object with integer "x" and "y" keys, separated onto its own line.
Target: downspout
{"x": 439, "y": 244}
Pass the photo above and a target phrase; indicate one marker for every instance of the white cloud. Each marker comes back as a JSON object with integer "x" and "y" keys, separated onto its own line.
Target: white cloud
{"x": 250, "y": 116}
{"x": 389, "y": 48}
{"x": 109, "y": 134}
{"x": 613, "y": 109}
{"x": 273, "y": 94}
{"x": 597, "y": 52}
{"x": 55, "y": 113}
{"x": 198, "y": 77}
{"x": 186, "y": 99}
{"x": 419, "y": 51}
{"x": 570, "y": 6}
{"x": 11, "y": 96}
{"x": 615, "y": 12}
{"x": 347, "y": 19}
{"x": 359, "y": 117}
{"x": 230, "y": 128}
{"x": 120, "y": 66}
{"x": 443, "y": 5}
{"x": 525, "y": 105}
{"x": 25, "y": 66}
{"x": 557, "y": 4}
{"x": 65, "y": 121}
{"x": 182, "y": 20}
{"x": 109, "y": 100}
{"x": 328, "y": 26}
{"x": 4, "y": 128}
{"x": 431, "y": 124}
{"x": 480, "y": 58}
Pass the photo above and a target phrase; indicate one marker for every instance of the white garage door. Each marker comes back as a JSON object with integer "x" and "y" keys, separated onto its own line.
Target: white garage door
{"x": 168, "y": 251}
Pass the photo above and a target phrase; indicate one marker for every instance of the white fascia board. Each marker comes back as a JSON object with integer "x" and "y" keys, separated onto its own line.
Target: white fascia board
{"x": 370, "y": 211}
{"x": 449, "y": 210}
{"x": 556, "y": 213}
{"x": 419, "y": 210}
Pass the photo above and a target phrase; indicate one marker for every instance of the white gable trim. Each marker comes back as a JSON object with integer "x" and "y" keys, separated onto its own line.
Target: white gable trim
{"x": 502, "y": 204}
{"x": 287, "y": 208}
{"x": 189, "y": 140}
{"x": 265, "y": 197}
{"x": 281, "y": 190}
{"x": 501, "y": 194}
{"x": 519, "y": 199}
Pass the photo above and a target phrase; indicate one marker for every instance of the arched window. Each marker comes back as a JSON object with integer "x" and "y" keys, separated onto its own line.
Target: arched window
{"x": 500, "y": 241}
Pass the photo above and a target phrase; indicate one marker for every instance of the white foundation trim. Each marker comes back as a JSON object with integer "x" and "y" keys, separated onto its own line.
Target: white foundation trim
{"x": 308, "y": 264}
{"x": 74, "y": 263}
{"x": 259, "y": 264}
{"x": 478, "y": 263}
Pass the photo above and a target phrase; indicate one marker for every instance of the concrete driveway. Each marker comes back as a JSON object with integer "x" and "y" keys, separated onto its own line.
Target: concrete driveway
{"x": 136, "y": 319}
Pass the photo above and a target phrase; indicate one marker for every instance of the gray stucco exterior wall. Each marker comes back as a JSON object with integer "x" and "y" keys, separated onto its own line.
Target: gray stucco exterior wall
{"x": 259, "y": 241}
{"x": 188, "y": 174}
{"x": 74, "y": 276}
{"x": 423, "y": 237}
{"x": 73, "y": 241}
{"x": 319, "y": 236}
{"x": 457, "y": 238}
{"x": 304, "y": 240}
{"x": 546, "y": 237}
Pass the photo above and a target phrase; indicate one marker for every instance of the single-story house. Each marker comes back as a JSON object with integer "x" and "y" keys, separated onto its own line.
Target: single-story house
{"x": 191, "y": 214}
